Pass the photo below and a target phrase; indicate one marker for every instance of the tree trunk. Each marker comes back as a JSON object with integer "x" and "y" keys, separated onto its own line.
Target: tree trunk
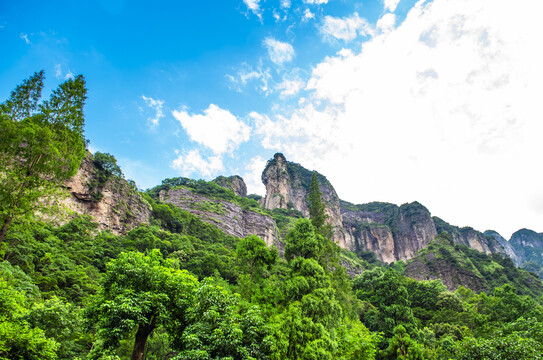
{"x": 144, "y": 330}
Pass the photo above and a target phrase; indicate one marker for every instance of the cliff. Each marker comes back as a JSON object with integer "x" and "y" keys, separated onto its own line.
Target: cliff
{"x": 392, "y": 232}
{"x": 456, "y": 264}
{"x": 234, "y": 183}
{"x": 110, "y": 200}
{"x": 506, "y": 245}
{"x": 226, "y": 215}
{"x": 287, "y": 187}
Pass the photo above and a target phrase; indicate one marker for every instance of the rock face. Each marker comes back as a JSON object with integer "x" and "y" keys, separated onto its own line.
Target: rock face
{"x": 393, "y": 233}
{"x": 432, "y": 268}
{"x": 120, "y": 208}
{"x": 227, "y": 216}
{"x": 506, "y": 245}
{"x": 234, "y": 183}
{"x": 528, "y": 246}
{"x": 287, "y": 187}
{"x": 471, "y": 238}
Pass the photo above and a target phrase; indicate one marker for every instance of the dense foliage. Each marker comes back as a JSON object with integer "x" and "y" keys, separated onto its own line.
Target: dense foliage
{"x": 41, "y": 145}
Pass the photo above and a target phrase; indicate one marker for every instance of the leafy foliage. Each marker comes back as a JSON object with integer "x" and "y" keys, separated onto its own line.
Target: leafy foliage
{"x": 41, "y": 145}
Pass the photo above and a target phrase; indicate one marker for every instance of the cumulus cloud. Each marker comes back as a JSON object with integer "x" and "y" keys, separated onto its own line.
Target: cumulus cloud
{"x": 443, "y": 109}
{"x": 346, "y": 29}
{"x": 278, "y": 51}
{"x": 285, "y": 4}
{"x": 386, "y": 22}
{"x": 252, "y": 176}
{"x": 156, "y": 105}
{"x": 290, "y": 86}
{"x": 193, "y": 162}
{"x": 254, "y": 7}
{"x": 308, "y": 15}
{"x": 391, "y": 5}
{"x": 216, "y": 129}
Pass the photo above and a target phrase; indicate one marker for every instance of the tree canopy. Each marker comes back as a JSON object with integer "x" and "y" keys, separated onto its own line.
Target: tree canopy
{"x": 41, "y": 145}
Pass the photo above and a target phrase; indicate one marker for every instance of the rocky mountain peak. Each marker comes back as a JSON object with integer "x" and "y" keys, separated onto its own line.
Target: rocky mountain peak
{"x": 234, "y": 183}
{"x": 287, "y": 187}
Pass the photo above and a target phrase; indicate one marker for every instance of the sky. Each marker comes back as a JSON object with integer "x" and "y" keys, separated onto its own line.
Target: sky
{"x": 392, "y": 100}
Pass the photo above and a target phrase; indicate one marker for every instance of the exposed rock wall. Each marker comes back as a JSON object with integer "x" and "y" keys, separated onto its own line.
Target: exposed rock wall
{"x": 507, "y": 247}
{"x": 393, "y": 233}
{"x": 234, "y": 183}
{"x": 227, "y": 216}
{"x": 120, "y": 208}
{"x": 472, "y": 238}
{"x": 287, "y": 186}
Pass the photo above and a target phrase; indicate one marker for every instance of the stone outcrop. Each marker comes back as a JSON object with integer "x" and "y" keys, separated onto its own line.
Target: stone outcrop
{"x": 432, "y": 268}
{"x": 287, "y": 187}
{"x": 470, "y": 237}
{"x": 227, "y": 216}
{"x": 506, "y": 245}
{"x": 393, "y": 233}
{"x": 524, "y": 240}
{"x": 119, "y": 208}
{"x": 234, "y": 183}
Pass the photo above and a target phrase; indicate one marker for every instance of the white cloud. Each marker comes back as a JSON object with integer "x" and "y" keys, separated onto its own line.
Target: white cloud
{"x": 58, "y": 73}
{"x": 308, "y": 15}
{"x": 25, "y": 38}
{"x": 386, "y": 22}
{"x": 285, "y": 4}
{"x": 157, "y": 106}
{"x": 278, "y": 51}
{"x": 391, "y": 5}
{"x": 252, "y": 176}
{"x": 346, "y": 29}
{"x": 315, "y": 2}
{"x": 443, "y": 109}
{"x": 290, "y": 87}
{"x": 254, "y": 6}
{"x": 217, "y": 129}
{"x": 248, "y": 74}
{"x": 192, "y": 162}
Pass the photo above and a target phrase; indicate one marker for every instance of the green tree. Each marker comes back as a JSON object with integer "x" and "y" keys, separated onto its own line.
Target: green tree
{"x": 41, "y": 145}
{"x": 499, "y": 348}
{"x": 317, "y": 208}
{"x": 217, "y": 330}
{"x": 402, "y": 347}
{"x": 139, "y": 293}
{"x": 302, "y": 240}
{"x": 254, "y": 256}
{"x": 17, "y": 339}
{"x": 107, "y": 163}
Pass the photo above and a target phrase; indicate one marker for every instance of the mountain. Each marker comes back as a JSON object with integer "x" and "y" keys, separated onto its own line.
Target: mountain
{"x": 287, "y": 187}
{"x": 390, "y": 232}
{"x": 235, "y": 215}
{"x": 455, "y": 264}
{"x": 110, "y": 200}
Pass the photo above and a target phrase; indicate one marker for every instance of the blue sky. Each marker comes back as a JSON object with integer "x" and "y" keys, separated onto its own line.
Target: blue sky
{"x": 393, "y": 100}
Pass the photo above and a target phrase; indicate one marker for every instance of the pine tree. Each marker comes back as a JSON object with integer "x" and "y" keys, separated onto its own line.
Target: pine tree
{"x": 317, "y": 208}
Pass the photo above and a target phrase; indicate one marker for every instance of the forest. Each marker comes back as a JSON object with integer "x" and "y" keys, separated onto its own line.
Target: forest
{"x": 180, "y": 288}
